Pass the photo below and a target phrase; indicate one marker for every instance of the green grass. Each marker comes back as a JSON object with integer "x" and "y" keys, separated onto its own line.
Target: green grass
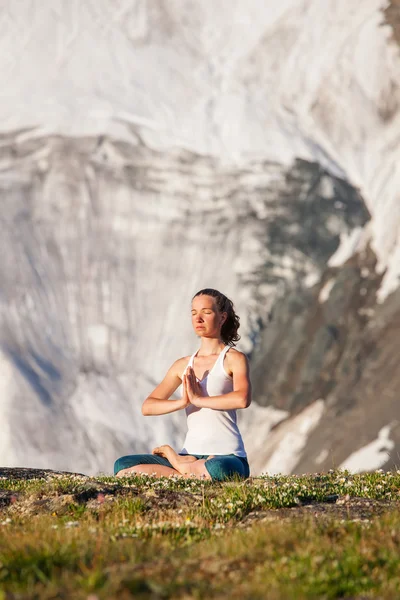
{"x": 142, "y": 537}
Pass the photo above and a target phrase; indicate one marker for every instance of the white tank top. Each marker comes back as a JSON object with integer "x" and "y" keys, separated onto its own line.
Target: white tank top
{"x": 213, "y": 431}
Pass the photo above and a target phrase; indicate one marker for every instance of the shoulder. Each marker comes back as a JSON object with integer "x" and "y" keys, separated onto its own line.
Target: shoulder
{"x": 236, "y": 360}
{"x": 180, "y": 365}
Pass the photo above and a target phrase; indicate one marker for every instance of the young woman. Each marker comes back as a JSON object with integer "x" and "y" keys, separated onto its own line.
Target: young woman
{"x": 215, "y": 382}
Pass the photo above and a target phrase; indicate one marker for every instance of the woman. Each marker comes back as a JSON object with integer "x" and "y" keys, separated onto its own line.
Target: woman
{"x": 215, "y": 383}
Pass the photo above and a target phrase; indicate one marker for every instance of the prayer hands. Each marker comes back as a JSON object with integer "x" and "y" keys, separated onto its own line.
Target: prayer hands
{"x": 192, "y": 387}
{"x": 185, "y": 397}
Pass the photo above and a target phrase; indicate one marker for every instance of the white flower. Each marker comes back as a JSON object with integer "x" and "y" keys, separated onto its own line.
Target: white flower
{"x": 72, "y": 524}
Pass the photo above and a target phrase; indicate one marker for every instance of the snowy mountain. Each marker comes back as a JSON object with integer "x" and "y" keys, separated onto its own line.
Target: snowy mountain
{"x": 149, "y": 149}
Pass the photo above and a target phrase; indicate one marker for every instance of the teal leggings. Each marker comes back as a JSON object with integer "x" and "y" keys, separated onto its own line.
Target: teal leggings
{"x": 220, "y": 467}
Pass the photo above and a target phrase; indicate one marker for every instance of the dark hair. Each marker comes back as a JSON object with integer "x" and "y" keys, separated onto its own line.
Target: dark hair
{"x": 229, "y": 329}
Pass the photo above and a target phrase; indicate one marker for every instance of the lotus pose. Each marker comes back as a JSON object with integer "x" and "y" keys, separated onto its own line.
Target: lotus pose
{"x": 215, "y": 383}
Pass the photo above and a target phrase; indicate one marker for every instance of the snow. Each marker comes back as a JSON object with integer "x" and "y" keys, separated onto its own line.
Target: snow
{"x": 294, "y": 435}
{"x": 99, "y": 68}
{"x": 321, "y": 456}
{"x": 255, "y": 424}
{"x": 7, "y": 391}
{"x": 231, "y": 80}
{"x": 372, "y": 456}
{"x": 349, "y": 244}
{"x": 326, "y": 290}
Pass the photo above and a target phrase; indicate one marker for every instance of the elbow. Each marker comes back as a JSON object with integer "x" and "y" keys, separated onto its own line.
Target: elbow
{"x": 145, "y": 410}
{"x": 246, "y": 401}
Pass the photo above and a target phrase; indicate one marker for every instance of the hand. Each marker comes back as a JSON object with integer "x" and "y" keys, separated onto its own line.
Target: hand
{"x": 193, "y": 388}
{"x": 160, "y": 451}
{"x": 185, "y": 397}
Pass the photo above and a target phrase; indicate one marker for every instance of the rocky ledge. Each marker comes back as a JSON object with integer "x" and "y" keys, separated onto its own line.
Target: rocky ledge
{"x": 27, "y": 492}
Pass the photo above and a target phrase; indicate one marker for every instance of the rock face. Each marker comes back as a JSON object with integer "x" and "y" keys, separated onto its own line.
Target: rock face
{"x": 263, "y": 169}
{"x": 76, "y": 327}
{"x": 341, "y": 355}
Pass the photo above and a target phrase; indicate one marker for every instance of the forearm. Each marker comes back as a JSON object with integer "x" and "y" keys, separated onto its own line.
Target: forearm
{"x": 158, "y": 406}
{"x": 230, "y": 401}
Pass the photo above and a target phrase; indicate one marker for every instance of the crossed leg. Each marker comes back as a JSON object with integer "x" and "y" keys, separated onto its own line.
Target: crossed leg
{"x": 158, "y": 470}
{"x": 184, "y": 466}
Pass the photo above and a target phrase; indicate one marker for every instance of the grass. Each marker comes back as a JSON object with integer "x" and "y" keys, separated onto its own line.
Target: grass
{"x": 328, "y": 535}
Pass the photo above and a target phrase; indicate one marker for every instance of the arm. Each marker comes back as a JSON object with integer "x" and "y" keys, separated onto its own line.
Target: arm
{"x": 239, "y": 398}
{"x": 158, "y": 403}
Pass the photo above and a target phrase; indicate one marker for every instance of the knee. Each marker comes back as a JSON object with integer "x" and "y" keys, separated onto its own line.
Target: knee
{"x": 131, "y": 460}
{"x": 117, "y": 466}
{"x": 225, "y": 467}
{"x": 122, "y": 463}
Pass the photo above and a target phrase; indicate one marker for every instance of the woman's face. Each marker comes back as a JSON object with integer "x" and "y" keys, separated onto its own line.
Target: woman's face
{"x": 206, "y": 318}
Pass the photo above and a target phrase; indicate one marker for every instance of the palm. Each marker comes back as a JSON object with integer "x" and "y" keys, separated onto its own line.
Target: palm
{"x": 185, "y": 395}
{"x": 192, "y": 386}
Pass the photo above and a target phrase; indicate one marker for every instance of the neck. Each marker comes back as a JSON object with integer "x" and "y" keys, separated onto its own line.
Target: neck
{"x": 211, "y": 346}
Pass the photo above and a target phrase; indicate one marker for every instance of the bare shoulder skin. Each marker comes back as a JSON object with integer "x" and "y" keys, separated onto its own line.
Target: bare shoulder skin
{"x": 234, "y": 359}
{"x": 237, "y": 365}
{"x": 180, "y": 365}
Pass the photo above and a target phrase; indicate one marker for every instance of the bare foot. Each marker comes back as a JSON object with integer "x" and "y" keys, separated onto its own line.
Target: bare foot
{"x": 178, "y": 461}
{"x": 163, "y": 451}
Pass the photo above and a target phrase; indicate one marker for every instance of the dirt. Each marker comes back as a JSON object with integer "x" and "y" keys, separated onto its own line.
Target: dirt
{"x": 344, "y": 508}
{"x": 94, "y": 494}
{"x": 88, "y": 491}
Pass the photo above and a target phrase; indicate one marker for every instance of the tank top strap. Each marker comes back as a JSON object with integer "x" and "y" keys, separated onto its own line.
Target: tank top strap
{"x": 220, "y": 358}
{"x": 190, "y": 363}
{"x": 224, "y": 351}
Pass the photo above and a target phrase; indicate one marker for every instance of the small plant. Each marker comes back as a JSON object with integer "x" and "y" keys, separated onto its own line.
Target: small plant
{"x": 175, "y": 537}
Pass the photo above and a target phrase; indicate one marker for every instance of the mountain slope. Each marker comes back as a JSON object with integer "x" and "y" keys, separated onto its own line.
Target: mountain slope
{"x": 149, "y": 150}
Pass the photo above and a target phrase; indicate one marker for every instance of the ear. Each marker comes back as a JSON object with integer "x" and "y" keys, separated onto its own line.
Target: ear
{"x": 224, "y": 317}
